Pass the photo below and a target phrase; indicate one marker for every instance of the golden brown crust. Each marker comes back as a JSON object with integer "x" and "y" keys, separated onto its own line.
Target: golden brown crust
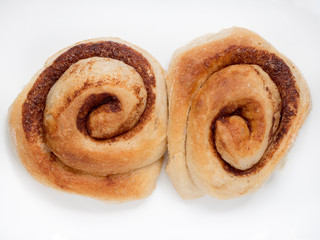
{"x": 58, "y": 122}
{"x": 242, "y": 135}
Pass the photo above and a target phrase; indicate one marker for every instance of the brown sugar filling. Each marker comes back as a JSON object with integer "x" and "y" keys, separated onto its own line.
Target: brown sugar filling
{"x": 34, "y": 105}
{"x": 281, "y": 75}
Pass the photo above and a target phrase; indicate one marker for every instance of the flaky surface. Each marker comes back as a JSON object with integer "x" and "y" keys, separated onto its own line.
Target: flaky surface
{"x": 235, "y": 106}
{"x": 92, "y": 121}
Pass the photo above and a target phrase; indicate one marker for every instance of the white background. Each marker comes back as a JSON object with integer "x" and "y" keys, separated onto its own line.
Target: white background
{"x": 286, "y": 207}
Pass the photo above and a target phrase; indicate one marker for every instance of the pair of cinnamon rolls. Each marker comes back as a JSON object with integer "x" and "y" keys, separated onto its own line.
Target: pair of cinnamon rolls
{"x": 95, "y": 119}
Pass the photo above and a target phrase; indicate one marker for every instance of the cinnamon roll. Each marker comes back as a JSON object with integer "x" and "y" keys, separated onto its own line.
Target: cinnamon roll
{"x": 92, "y": 121}
{"x": 235, "y": 106}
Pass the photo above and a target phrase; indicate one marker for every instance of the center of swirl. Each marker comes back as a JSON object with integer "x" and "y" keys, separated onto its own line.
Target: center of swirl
{"x": 240, "y": 133}
{"x": 103, "y": 97}
{"x": 99, "y": 116}
{"x": 235, "y": 111}
{"x": 243, "y": 125}
{"x": 95, "y": 99}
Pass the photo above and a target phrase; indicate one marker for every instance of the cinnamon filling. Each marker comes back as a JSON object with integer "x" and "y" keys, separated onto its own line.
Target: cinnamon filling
{"x": 34, "y": 105}
{"x": 280, "y": 74}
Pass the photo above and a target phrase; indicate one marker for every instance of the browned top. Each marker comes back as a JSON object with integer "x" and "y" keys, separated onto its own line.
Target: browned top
{"x": 282, "y": 76}
{"x": 33, "y": 107}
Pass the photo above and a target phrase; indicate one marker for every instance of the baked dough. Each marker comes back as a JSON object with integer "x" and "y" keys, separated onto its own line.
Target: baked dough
{"x": 93, "y": 121}
{"x": 235, "y": 107}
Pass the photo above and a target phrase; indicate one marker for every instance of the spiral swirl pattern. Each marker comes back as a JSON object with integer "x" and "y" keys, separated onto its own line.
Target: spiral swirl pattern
{"x": 93, "y": 121}
{"x": 235, "y": 106}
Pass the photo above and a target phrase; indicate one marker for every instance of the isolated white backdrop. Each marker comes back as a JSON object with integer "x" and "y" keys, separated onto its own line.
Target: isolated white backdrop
{"x": 286, "y": 207}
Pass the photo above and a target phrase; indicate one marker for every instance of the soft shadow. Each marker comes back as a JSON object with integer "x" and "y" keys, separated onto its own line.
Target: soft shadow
{"x": 216, "y": 205}
{"x": 205, "y": 203}
{"x": 61, "y": 199}
{"x": 211, "y": 204}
